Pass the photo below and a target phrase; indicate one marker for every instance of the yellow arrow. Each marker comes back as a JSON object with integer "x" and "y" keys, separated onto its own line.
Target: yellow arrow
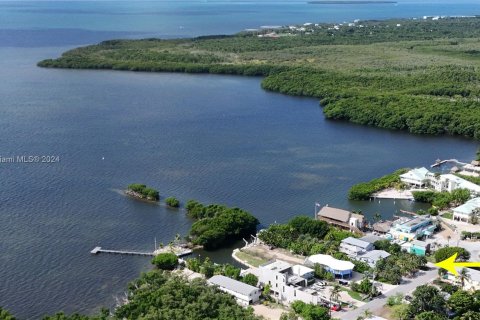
{"x": 450, "y": 264}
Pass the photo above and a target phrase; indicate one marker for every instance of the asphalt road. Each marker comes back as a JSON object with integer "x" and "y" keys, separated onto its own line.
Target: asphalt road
{"x": 407, "y": 285}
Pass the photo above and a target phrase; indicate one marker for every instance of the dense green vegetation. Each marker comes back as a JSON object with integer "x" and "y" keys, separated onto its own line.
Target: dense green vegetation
{"x": 442, "y": 200}
{"x": 364, "y": 190}
{"x": 142, "y": 191}
{"x": 5, "y": 315}
{"x": 447, "y": 252}
{"x": 209, "y": 269}
{"x": 306, "y": 236}
{"x": 398, "y": 264}
{"x": 310, "y": 311}
{"x": 162, "y": 295}
{"x": 415, "y": 75}
{"x": 219, "y": 225}
{"x": 165, "y": 261}
{"x": 172, "y": 202}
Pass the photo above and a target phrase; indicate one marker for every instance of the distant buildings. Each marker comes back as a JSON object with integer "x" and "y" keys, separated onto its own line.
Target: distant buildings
{"x": 341, "y": 218}
{"x": 465, "y": 211}
{"x": 245, "y": 294}
{"x": 422, "y": 178}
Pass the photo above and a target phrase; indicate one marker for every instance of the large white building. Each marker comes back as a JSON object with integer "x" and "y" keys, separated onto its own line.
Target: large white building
{"x": 416, "y": 177}
{"x": 449, "y": 182}
{"x": 245, "y": 294}
{"x": 464, "y": 212}
{"x": 289, "y": 283}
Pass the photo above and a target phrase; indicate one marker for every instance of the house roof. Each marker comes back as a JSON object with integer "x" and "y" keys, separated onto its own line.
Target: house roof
{"x": 276, "y": 265}
{"x": 418, "y": 174}
{"x": 330, "y": 262}
{"x": 382, "y": 226}
{"x": 375, "y": 255}
{"x": 371, "y": 238}
{"x": 420, "y": 244}
{"x": 468, "y": 206}
{"x": 300, "y": 270}
{"x": 474, "y": 274}
{"x": 232, "y": 285}
{"x": 462, "y": 183}
{"x": 335, "y": 214}
{"x": 356, "y": 242}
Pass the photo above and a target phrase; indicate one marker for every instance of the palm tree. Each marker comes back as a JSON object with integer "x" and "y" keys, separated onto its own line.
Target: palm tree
{"x": 448, "y": 240}
{"x": 462, "y": 276}
{"x": 377, "y": 217}
{"x": 335, "y": 294}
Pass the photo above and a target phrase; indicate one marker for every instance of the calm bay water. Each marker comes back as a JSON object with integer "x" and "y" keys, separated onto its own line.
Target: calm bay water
{"x": 212, "y": 138}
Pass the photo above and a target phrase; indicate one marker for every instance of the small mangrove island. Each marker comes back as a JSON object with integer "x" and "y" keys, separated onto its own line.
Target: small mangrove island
{"x": 141, "y": 191}
{"x": 418, "y": 75}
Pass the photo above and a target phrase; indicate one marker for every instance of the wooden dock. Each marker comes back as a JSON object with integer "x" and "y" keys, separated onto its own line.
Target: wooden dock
{"x": 98, "y": 250}
{"x": 440, "y": 162}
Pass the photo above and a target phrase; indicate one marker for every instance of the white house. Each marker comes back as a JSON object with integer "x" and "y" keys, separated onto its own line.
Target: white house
{"x": 449, "y": 182}
{"x": 289, "y": 283}
{"x": 373, "y": 256}
{"x": 416, "y": 177}
{"x": 245, "y": 294}
{"x": 354, "y": 247}
{"x": 337, "y": 267}
{"x": 471, "y": 281}
{"x": 464, "y": 212}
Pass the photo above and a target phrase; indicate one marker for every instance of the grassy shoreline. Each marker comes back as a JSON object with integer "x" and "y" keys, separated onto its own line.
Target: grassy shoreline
{"x": 421, "y": 76}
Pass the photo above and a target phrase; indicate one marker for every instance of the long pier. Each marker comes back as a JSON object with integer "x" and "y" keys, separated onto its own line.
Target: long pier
{"x": 440, "y": 162}
{"x": 98, "y": 250}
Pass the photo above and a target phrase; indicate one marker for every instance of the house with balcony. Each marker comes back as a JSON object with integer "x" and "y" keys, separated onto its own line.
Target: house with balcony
{"x": 465, "y": 211}
{"x": 354, "y": 247}
{"x": 408, "y": 229}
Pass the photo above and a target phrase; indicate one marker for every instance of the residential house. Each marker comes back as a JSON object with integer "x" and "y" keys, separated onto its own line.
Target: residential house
{"x": 382, "y": 227}
{"x": 419, "y": 248}
{"x": 371, "y": 238}
{"x": 245, "y": 294}
{"x": 416, "y": 177}
{"x": 339, "y": 268}
{"x": 372, "y": 257}
{"x": 465, "y": 211}
{"x": 450, "y": 182}
{"x": 341, "y": 218}
{"x": 354, "y": 247}
{"x": 289, "y": 283}
{"x": 408, "y": 229}
{"x": 471, "y": 281}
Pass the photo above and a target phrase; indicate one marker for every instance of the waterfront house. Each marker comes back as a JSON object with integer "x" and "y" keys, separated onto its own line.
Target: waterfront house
{"x": 382, "y": 227}
{"x": 354, "y": 247}
{"x": 289, "y": 283}
{"x": 339, "y": 268}
{"x": 245, "y": 294}
{"x": 450, "y": 182}
{"x": 372, "y": 257}
{"x": 341, "y": 218}
{"x": 416, "y": 177}
{"x": 465, "y": 211}
{"x": 409, "y": 229}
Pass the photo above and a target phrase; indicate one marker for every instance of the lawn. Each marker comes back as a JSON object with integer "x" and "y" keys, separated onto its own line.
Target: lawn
{"x": 250, "y": 259}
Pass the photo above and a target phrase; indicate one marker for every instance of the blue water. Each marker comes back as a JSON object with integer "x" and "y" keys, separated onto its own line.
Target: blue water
{"x": 212, "y": 138}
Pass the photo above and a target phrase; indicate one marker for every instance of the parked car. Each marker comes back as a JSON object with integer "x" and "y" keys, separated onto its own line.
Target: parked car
{"x": 344, "y": 282}
{"x": 335, "y": 307}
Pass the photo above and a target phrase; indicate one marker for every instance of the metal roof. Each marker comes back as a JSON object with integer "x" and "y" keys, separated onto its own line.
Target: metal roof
{"x": 357, "y": 242}
{"x": 335, "y": 214}
{"x": 232, "y": 285}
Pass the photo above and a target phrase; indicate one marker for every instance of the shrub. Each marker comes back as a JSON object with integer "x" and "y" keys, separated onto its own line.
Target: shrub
{"x": 172, "y": 202}
{"x": 165, "y": 261}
